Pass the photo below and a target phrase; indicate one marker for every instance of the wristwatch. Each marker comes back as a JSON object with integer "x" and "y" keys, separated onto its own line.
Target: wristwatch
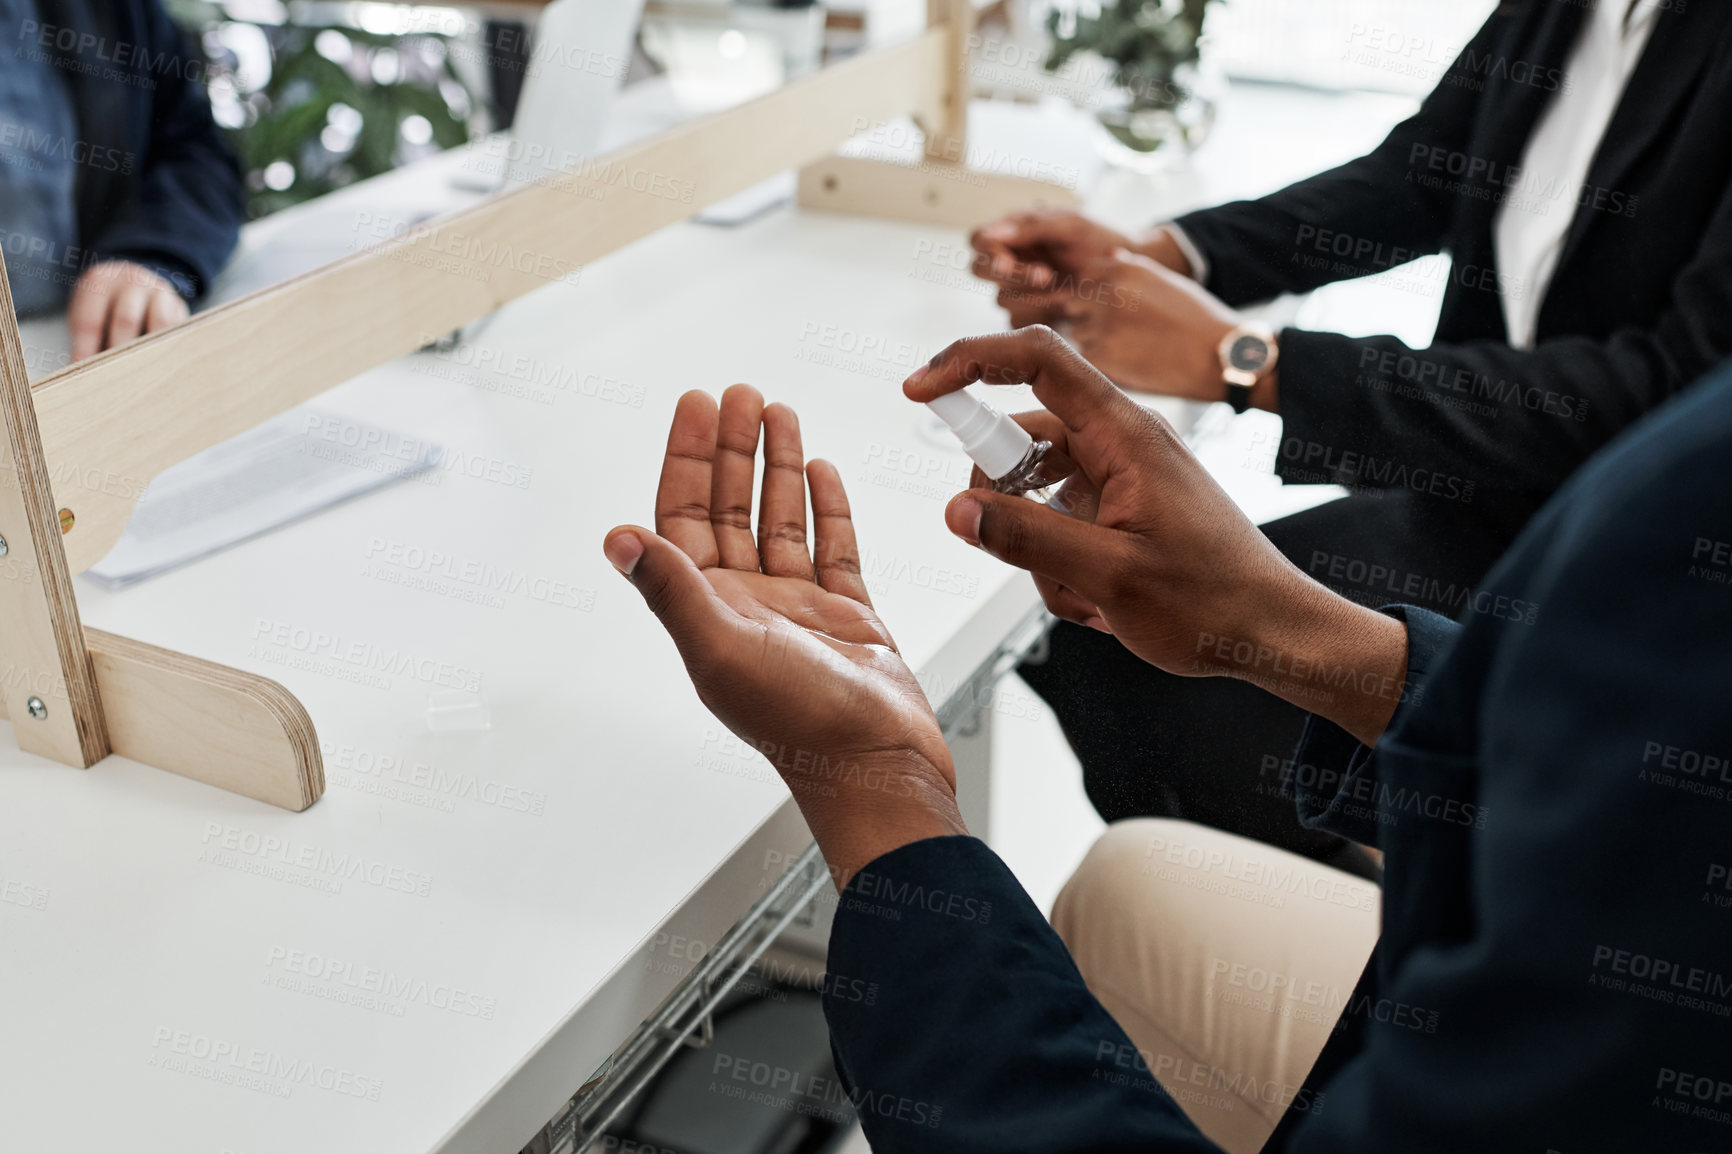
{"x": 1247, "y": 353}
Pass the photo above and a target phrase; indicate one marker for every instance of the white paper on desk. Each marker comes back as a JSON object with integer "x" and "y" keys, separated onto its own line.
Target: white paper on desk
{"x": 290, "y": 467}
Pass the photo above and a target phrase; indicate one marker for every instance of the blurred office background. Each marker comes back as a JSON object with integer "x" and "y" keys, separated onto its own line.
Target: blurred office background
{"x": 318, "y": 94}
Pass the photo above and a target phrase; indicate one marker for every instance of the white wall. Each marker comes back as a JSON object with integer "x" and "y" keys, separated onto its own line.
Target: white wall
{"x": 1382, "y": 45}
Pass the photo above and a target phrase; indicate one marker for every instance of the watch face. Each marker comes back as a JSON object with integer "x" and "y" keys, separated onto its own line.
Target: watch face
{"x": 1249, "y": 353}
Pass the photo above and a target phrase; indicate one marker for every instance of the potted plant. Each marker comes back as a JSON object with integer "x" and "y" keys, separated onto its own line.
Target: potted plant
{"x": 325, "y": 104}
{"x": 1156, "y": 102}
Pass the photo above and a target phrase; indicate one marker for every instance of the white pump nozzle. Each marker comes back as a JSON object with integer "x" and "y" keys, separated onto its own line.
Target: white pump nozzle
{"x": 991, "y": 439}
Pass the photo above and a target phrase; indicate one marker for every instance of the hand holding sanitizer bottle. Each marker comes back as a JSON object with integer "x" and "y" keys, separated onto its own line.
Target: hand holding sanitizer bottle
{"x": 1014, "y": 461}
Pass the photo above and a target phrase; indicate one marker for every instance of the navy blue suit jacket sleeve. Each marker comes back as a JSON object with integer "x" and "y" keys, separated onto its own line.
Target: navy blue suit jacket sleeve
{"x": 961, "y": 1025}
{"x": 1332, "y": 776}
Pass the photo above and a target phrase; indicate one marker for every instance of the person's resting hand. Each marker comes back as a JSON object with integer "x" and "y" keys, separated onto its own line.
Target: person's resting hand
{"x": 1169, "y": 565}
{"x": 787, "y": 653}
{"x": 1033, "y": 256}
{"x": 1151, "y": 330}
{"x": 117, "y": 300}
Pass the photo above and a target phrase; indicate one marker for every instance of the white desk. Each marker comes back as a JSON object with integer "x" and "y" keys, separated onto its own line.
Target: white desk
{"x": 502, "y": 886}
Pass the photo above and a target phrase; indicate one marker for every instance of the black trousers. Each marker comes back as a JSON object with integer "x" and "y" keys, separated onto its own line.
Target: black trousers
{"x": 1216, "y": 751}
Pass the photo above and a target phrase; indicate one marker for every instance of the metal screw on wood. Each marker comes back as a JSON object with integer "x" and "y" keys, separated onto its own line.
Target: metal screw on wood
{"x": 36, "y": 708}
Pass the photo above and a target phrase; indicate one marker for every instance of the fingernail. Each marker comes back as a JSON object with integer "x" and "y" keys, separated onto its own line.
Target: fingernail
{"x": 918, "y": 374}
{"x": 998, "y": 229}
{"x": 963, "y": 518}
{"x": 624, "y": 552}
{"x": 1099, "y": 623}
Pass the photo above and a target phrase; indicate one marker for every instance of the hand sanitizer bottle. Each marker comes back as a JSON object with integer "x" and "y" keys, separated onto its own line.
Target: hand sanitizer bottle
{"x": 1015, "y": 461}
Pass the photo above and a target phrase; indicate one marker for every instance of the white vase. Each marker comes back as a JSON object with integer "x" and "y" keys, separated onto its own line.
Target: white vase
{"x": 1156, "y": 125}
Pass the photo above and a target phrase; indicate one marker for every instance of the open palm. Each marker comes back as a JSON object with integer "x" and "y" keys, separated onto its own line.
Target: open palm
{"x": 780, "y": 641}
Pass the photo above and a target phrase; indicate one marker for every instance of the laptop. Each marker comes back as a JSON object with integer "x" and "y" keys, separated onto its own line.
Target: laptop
{"x": 578, "y": 58}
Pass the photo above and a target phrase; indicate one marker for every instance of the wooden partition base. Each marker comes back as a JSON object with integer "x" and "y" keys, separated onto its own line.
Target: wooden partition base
{"x": 234, "y": 730}
{"x": 932, "y": 193}
{"x": 214, "y": 724}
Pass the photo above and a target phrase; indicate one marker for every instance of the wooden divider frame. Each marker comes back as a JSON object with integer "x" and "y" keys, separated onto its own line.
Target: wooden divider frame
{"x": 83, "y": 443}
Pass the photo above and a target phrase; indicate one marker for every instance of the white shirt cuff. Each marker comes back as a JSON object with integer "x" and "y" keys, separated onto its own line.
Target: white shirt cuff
{"x": 1193, "y": 254}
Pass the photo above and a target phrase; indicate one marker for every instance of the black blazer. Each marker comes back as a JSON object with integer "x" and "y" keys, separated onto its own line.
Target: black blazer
{"x": 160, "y": 187}
{"x": 1555, "y": 799}
{"x": 1463, "y": 441}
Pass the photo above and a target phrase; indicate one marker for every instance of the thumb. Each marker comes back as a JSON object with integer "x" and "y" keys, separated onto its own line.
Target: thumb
{"x": 671, "y": 585}
{"x": 1031, "y": 536}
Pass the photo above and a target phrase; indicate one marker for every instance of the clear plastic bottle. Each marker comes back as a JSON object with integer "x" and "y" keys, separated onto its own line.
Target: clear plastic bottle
{"x": 1013, "y": 460}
